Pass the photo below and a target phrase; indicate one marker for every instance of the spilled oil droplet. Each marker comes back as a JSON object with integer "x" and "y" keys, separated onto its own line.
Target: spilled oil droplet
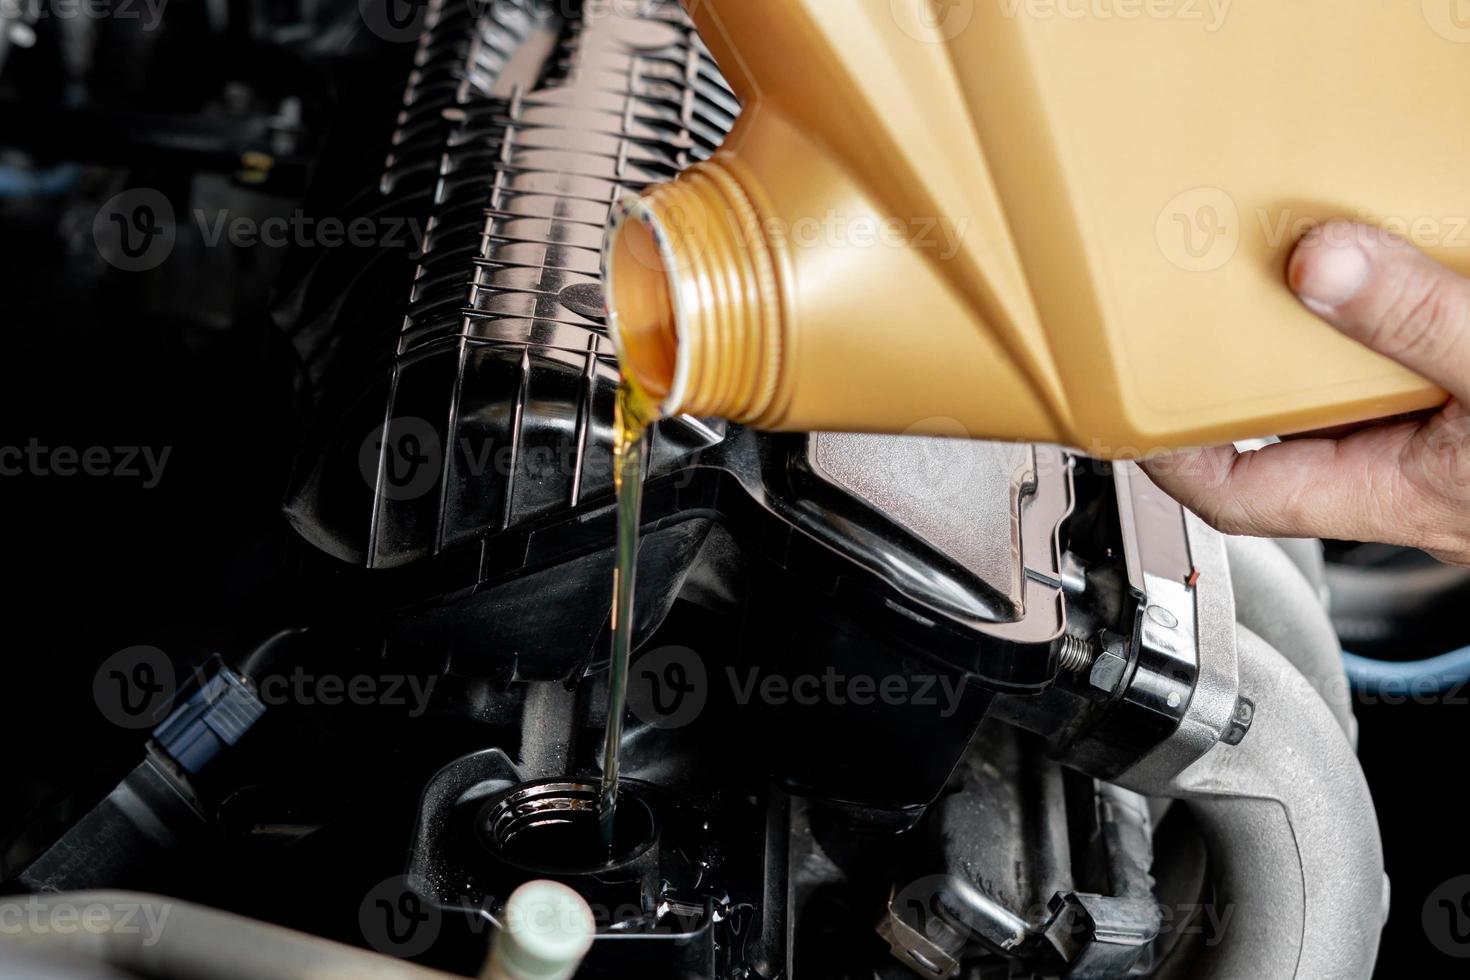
{"x": 633, "y": 414}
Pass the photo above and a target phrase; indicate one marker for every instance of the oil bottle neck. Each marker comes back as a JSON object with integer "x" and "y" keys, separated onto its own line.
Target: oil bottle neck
{"x": 695, "y": 307}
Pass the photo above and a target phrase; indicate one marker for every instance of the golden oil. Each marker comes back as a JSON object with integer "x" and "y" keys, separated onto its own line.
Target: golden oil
{"x": 633, "y": 413}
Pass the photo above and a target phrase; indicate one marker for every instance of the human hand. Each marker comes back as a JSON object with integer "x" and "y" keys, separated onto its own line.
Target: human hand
{"x": 1403, "y": 482}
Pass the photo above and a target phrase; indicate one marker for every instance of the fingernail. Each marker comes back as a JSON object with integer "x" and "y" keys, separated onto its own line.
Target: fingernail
{"x": 1326, "y": 276}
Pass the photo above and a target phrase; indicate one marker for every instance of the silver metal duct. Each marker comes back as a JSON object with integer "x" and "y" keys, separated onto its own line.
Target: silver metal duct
{"x": 1296, "y": 857}
{"x": 1274, "y": 600}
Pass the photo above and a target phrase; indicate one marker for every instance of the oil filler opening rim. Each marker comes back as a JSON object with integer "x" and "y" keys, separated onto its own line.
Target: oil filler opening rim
{"x": 512, "y": 824}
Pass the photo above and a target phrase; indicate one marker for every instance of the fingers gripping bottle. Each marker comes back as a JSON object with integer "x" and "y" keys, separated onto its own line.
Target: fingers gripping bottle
{"x": 983, "y": 216}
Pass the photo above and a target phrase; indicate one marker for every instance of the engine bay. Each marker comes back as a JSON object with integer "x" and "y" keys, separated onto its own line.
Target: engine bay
{"x": 899, "y": 706}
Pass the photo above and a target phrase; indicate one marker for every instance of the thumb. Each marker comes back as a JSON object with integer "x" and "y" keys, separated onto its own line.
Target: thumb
{"x": 1389, "y": 296}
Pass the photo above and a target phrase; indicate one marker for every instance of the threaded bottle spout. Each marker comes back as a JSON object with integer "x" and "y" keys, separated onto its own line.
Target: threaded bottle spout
{"x": 694, "y": 307}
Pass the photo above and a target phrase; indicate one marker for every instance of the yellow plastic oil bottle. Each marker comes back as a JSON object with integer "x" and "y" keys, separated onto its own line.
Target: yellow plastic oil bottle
{"x": 1050, "y": 220}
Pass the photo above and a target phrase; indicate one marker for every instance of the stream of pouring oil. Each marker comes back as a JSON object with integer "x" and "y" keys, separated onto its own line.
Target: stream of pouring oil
{"x": 632, "y": 416}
